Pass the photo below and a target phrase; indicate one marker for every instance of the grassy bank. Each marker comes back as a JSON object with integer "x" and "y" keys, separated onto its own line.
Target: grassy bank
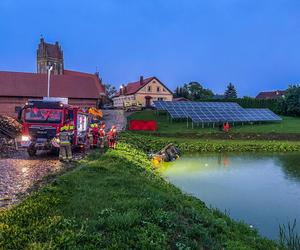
{"x": 289, "y": 125}
{"x": 116, "y": 201}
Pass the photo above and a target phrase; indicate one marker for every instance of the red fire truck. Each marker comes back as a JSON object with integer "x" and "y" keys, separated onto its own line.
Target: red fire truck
{"x": 42, "y": 120}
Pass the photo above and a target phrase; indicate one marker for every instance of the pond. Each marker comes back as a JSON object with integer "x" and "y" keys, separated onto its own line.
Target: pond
{"x": 262, "y": 190}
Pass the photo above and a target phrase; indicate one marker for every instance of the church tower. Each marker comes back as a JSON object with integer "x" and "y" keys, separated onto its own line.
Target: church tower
{"x": 50, "y": 55}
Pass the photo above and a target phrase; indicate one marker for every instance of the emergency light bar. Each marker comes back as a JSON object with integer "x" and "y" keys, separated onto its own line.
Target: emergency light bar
{"x": 44, "y": 104}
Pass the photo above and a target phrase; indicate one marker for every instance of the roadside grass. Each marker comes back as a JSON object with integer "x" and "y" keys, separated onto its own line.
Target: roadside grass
{"x": 117, "y": 201}
{"x": 287, "y": 125}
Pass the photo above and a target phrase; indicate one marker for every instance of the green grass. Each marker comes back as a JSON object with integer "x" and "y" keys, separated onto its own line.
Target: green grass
{"x": 287, "y": 125}
{"x": 186, "y": 145}
{"x": 117, "y": 201}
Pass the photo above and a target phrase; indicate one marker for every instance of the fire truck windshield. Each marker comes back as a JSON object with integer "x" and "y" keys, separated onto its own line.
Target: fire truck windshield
{"x": 43, "y": 115}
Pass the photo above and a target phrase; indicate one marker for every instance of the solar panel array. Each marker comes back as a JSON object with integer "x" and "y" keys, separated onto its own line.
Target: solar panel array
{"x": 215, "y": 112}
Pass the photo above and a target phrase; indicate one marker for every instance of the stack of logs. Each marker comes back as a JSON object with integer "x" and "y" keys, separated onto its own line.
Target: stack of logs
{"x": 10, "y": 129}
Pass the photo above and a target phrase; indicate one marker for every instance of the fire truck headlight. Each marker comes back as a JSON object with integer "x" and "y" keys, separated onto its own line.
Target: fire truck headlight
{"x": 25, "y": 138}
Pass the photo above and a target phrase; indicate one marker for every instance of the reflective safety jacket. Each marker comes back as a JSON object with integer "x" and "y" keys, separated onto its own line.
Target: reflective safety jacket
{"x": 67, "y": 128}
{"x": 112, "y": 134}
{"x": 65, "y": 138}
{"x": 101, "y": 132}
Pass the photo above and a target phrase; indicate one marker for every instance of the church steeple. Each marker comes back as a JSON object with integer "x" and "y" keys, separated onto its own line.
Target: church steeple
{"x": 50, "y": 54}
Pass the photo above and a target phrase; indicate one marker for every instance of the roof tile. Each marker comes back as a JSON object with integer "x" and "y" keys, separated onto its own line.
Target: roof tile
{"x": 72, "y": 84}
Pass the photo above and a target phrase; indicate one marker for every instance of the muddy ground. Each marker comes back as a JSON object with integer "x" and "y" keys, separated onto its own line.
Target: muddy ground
{"x": 19, "y": 172}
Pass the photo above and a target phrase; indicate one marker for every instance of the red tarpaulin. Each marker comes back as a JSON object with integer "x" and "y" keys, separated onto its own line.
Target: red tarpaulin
{"x": 142, "y": 125}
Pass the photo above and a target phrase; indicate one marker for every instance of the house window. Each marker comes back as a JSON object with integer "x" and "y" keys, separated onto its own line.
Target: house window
{"x": 164, "y": 90}
{"x": 158, "y": 89}
{"x": 160, "y": 98}
{"x": 149, "y": 88}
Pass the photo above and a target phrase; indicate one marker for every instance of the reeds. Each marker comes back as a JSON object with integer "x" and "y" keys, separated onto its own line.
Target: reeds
{"x": 288, "y": 236}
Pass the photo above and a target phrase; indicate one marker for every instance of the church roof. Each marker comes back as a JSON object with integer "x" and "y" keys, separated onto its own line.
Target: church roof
{"x": 53, "y": 50}
{"x": 71, "y": 84}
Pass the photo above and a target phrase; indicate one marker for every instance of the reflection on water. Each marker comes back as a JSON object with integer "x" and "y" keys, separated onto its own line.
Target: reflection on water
{"x": 260, "y": 189}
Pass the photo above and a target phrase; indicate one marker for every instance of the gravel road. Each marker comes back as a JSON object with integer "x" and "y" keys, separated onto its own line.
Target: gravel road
{"x": 19, "y": 172}
{"x": 115, "y": 117}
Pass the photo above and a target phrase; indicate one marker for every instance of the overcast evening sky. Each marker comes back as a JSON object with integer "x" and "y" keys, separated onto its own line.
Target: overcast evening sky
{"x": 255, "y": 44}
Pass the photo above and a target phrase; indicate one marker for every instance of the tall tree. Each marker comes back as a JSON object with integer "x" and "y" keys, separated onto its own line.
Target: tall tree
{"x": 230, "y": 92}
{"x": 197, "y": 92}
{"x": 193, "y": 91}
{"x": 292, "y": 99}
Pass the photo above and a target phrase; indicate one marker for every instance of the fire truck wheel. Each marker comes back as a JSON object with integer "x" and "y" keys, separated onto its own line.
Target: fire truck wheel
{"x": 31, "y": 151}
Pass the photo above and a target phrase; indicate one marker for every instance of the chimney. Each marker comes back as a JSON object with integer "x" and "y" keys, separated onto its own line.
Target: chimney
{"x": 122, "y": 89}
{"x": 141, "y": 80}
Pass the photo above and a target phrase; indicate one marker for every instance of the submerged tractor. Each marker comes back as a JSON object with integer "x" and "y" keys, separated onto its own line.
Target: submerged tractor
{"x": 41, "y": 122}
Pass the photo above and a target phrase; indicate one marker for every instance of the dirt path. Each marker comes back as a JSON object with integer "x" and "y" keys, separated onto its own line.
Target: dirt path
{"x": 115, "y": 117}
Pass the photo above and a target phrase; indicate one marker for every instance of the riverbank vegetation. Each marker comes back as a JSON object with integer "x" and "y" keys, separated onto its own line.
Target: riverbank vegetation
{"x": 288, "y": 127}
{"x": 116, "y": 200}
{"x": 188, "y": 145}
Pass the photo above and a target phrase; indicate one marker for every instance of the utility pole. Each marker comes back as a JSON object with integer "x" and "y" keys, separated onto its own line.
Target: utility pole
{"x": 49, "y": 73}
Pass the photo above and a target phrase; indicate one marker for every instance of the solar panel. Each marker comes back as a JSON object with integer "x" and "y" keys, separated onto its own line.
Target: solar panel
{"x": 176, "y": 112}
{"x": 214, "y": 112}
{"x": 262, "y": 115}
{"x": 159, "y": 105}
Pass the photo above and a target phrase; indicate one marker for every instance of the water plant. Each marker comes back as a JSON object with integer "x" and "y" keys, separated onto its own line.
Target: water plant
{"x": 288, "y": 236}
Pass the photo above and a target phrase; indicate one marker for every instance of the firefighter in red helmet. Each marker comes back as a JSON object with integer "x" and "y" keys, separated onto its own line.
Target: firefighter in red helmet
{"x": 101, "y": 135}
{"x": 112, "y": 137}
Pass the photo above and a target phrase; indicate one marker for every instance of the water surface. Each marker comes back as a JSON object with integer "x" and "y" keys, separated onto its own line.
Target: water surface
{"x": 260, "y": 189}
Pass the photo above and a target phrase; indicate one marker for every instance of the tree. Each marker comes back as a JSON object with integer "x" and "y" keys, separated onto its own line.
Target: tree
{"x": 230, "y": 92}
{"x": 193, "y": 91}
{"x": 110, "y": 90}
{"x": 292, "y": 100}
{"x": 196, "y": 92}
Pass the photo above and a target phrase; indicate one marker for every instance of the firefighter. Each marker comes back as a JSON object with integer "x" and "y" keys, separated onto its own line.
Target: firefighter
{"x": 65, "y": 138}
{"x": 112, "y": 137}
{"x": 95, "y": 135}
{"x": 226, "y": 127}
{"x": 101, "y": 135}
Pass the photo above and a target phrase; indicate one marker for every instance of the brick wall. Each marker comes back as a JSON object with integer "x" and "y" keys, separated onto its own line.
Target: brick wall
{"x": 8, "y": 105}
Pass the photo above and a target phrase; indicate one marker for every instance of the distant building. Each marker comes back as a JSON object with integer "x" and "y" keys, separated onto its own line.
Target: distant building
{"x": 144, "y": 91}
{"x": 82, "y": 89}
{"x": 271, "y": 94}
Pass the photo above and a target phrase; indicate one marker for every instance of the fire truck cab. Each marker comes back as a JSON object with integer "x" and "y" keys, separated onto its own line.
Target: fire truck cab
{"x": 42, "y": 120}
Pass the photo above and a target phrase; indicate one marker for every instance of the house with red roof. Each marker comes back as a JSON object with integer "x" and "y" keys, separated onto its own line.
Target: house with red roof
{"x": 271, "y": 94}
{"x": 144, "y": 91}
{"x": 81, "y": 89}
